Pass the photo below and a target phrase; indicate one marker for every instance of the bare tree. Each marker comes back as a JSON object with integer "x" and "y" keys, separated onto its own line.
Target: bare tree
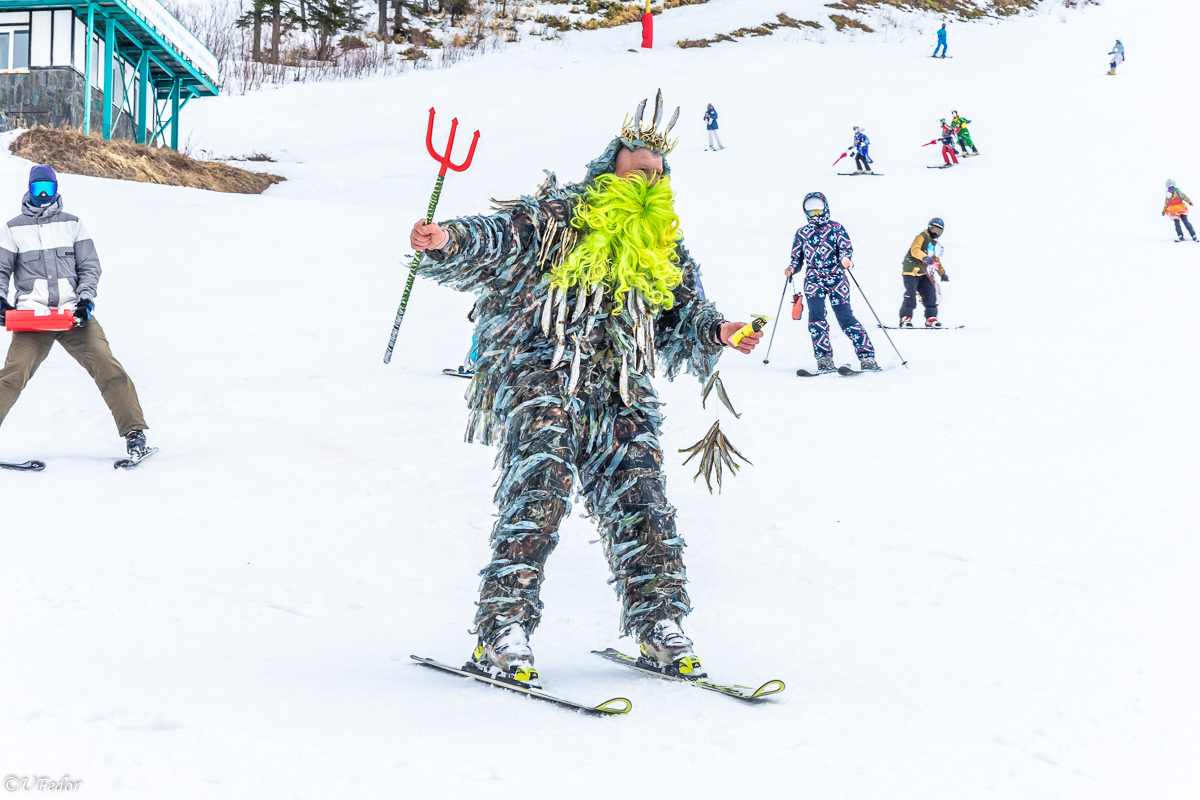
{"x": 381, "y": 28}
{"x": 276, "y": 29}
{"x": 256, "y": 53}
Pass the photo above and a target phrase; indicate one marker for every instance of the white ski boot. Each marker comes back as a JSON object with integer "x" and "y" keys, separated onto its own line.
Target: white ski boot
{"x": 932, "y": 322}
{"x": 668, "y": 650}
{"x": 867, "y": 364}
{"x": 506, "y": 655}
{"x": 825, "y": 364}
{"x": 906, "y": 322}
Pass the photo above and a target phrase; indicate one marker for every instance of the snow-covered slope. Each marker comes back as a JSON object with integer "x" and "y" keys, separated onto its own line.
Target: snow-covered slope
{"x": 977, "y": 575}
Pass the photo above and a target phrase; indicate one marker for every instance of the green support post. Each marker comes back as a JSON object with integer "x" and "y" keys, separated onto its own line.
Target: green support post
{"x": 87, "y": 79}
{"x": 142, "y": 128}
{"x": 110, "y": 49}
{"x": 175, "y": 113}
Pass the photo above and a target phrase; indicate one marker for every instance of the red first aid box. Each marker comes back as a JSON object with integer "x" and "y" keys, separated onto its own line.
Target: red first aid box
{"x": 57, "y": 319}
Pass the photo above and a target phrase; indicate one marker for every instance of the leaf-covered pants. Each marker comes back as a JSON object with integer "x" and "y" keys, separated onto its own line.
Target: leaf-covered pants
{"x": 615, "y": 454}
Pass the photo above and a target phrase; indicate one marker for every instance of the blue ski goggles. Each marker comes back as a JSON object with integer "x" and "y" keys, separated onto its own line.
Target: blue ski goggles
{"x": 43, "y": 188}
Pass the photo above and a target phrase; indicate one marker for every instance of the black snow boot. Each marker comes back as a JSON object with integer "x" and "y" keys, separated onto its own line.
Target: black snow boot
{"x": 135, "y": 442}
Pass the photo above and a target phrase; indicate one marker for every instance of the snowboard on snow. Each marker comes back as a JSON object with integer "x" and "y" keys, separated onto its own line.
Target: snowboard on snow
{"x": 617, "y": 705}
{"x": 880, "y": 174}
{"x": 747, "y": 693}
{"x": 28, "y": 466}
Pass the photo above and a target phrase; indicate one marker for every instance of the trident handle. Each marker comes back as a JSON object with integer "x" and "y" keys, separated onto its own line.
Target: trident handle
{"x": 446, "y": 163}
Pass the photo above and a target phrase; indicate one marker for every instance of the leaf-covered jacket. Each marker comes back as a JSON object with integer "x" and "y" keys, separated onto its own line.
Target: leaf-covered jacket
{"x": 505, "y": 258}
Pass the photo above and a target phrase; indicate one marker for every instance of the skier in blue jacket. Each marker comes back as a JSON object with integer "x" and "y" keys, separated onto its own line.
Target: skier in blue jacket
{"x": 824, "y": 247}
{"x": 862, "y": 161}
{"x": 710, "y": 121}
{"x": 941, "y": 45}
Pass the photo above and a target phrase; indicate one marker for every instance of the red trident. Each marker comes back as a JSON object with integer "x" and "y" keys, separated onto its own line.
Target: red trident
{"x": 446, "y": 163}
{"x": 445, "y": 160}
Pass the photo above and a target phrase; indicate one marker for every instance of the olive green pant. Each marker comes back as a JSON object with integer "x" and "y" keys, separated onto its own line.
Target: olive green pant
{"x": 89, "y": 347}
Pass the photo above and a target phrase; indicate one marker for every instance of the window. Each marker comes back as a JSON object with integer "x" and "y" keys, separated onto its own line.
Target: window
{"x": 21, "y": 49}
{"x": 14, "y": 48}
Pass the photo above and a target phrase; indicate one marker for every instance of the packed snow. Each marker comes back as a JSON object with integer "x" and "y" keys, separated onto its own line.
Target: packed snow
{"x": 976, "y": 574}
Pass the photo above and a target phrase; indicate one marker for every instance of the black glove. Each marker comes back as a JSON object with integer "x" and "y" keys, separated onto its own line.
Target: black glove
{"x": 945, "y": 277}
{"x": 83, "y": 312}
{"x": 928, "y": 259}
{"x": 4, "y": 307}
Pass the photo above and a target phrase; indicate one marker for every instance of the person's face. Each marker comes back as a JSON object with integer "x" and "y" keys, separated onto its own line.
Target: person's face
{"x": 640, "y": 160}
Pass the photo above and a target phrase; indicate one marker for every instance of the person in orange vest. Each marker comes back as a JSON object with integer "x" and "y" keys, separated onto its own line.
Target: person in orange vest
{"x": 1176, "y": 209}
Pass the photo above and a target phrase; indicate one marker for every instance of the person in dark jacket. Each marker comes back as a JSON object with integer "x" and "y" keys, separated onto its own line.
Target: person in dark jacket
{"x": 919, "y": 262}
{"x": 49, "y": 261}
{"x": 710, "y": 120}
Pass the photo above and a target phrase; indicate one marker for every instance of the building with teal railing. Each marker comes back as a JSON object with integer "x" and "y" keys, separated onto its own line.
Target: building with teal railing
{"x": 136, "y": 65}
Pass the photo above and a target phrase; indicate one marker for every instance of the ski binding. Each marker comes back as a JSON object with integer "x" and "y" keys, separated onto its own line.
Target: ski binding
{"x": 617, "y": 705}
{"x": 134, "y": 459}
{"x": 746, "y": 693}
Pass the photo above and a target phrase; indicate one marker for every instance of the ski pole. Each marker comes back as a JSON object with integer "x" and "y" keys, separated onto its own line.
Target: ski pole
{"x": 444, "y": 160}
{"x": 877, "y": 319}
{"x": 767, "y": 360}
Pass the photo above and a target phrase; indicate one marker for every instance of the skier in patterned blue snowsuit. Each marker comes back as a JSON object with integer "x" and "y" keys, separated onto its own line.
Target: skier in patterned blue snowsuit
{"x": 824, "y": 246}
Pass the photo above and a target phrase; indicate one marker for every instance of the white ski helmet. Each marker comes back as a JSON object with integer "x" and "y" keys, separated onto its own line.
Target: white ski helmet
{"x": 1170, "y": 183}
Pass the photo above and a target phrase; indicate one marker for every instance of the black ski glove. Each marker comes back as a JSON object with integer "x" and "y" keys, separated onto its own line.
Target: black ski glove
{"x": 945, "y": 277}
{"x": 83, "y": 312}
{"x": 4, "y": 308}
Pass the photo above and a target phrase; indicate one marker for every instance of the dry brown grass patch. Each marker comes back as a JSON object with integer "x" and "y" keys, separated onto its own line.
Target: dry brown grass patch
{"x": 75, "y": 154}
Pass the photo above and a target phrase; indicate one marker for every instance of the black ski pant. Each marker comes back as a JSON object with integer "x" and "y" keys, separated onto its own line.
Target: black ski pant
{"x": 1179, "y": 229}
{"x": 860, "y": 161}
{"x": 922, "y": 284}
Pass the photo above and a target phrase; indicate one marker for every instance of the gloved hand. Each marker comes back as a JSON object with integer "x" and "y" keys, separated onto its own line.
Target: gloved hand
{"x": 928, "y": 259}
{"x": 4, "y": 307}
{"x": 945, "y": 277}
{"x": 83, "y": 312}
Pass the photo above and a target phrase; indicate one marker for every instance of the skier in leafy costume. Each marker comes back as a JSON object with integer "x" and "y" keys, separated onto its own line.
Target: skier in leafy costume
{"x": 585, "y": 292}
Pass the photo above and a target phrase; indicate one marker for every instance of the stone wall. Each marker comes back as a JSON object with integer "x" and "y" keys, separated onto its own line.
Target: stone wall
{"x": 52, "y": 98}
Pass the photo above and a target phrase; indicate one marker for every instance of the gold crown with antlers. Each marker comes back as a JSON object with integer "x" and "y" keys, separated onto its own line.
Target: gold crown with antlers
{"x": 635, "y": 134}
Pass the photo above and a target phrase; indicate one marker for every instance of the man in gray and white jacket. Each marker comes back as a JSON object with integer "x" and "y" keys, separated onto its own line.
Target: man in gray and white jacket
{"x": 51, "y": 262}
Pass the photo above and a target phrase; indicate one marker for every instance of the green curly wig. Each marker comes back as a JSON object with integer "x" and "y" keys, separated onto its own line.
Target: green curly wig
{"x": 630, "y": 230}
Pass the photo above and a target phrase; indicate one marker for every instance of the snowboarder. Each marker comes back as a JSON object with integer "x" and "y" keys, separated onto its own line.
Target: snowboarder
{"x": 862, "y": 161}
{"x": 824, "y": 246}
{"x": 710, "y": 120}
{"x": 573, "y": 323}
{"x": 959, "y": 123}
{"x": 1116, "y": 56}
{"x": 941, "y": 45}
{"x": 1176, "y": 209}
{"x": 51, "y": 260}
{"x": 922, "y": 256}
{"x": 947, "y": 139}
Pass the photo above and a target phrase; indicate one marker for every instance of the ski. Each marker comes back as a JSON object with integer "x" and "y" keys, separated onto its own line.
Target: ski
{"x": 617, "y": 705}
{"x": 921, "y": 328}
{"x": 803, "y": 373}
{"x": 459, "y": 373}
{"x": 746, "y": 693}
{"x": 134, "y": 460}
{"x": 28, "y": 466}
{"x": 880, "y": 174}
{"x": 844, "y": 371}
{"x": 943, "y": 166}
